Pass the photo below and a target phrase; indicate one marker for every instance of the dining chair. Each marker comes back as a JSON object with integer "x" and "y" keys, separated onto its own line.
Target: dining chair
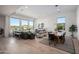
{"x": 53, "y": 39}
{"x": 62, "y": 38}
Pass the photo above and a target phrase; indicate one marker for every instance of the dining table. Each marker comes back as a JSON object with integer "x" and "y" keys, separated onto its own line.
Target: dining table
{"x": 58, "y": 35}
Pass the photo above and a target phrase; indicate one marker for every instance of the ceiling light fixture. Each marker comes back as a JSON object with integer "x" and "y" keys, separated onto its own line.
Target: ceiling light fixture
{"x": 26, "y": 7}
{"x": 58, "y": 10}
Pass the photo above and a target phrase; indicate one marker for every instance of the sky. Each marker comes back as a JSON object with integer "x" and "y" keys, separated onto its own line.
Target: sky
{"x": 14, "y": 21}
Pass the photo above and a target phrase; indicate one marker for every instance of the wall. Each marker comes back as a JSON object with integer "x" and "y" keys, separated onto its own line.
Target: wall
{"x": 2, "y": 22}
{"x": 50, "y": 24}
{"x": 7, "y": 26}
{"x": 77, "y": 13}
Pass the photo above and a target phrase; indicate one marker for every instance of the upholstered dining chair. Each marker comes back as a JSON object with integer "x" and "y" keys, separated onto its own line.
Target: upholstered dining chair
{"x": 62, "y": 38}
{"x": 53, "y": 39}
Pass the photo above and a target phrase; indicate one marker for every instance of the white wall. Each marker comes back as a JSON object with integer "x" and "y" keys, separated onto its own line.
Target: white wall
{"x": 7, "y": 26}
{"x": 2, "y": 22}
{"x": 78, "y": 22}
{"x": 50, "y": 24}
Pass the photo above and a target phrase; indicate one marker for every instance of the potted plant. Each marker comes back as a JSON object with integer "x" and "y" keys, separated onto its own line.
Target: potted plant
{"x": 72, "y": 29}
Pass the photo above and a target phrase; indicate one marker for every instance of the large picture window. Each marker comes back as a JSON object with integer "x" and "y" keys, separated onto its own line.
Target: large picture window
{"x": 20, "y": 24}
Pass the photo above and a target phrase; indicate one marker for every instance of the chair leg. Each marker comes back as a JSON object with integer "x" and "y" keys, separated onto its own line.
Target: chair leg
{"x": 63, "y": 41}
{"x": 55, "y": 43}
{"x": 49, "y": 42}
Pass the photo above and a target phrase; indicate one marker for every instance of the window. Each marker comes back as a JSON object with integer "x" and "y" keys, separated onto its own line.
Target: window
{"x": 31, "y": 24}
{"x": 14, "y": 24}
{"x": 19, "y": 24}
{"x": 61, "y": 23}
{"x": 24, "y": 25}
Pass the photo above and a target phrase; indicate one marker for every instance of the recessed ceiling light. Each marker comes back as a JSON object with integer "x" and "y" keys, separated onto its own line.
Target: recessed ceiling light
{"x": 26, "y": 7}
{"x": 58, "y": 10}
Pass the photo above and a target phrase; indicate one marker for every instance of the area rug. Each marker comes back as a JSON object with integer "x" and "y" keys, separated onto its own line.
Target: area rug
{"x": 68, "y": 46}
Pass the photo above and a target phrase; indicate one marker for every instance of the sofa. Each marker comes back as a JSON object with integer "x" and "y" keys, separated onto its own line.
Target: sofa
{"x": 1, "y": 32}
{"x": 27, "y": 35}
{"x": 40, "y": 33}
{"x": 24, "y": 35}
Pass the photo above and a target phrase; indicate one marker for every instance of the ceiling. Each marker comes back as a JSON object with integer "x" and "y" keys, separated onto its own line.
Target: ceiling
{"x": 8, "y": 9}
{"x": 36, "y": 11}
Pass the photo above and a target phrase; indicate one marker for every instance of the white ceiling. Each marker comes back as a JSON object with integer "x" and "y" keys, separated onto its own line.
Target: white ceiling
{"x": 36, "y": 11}
{"x": 8, "y": 9}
